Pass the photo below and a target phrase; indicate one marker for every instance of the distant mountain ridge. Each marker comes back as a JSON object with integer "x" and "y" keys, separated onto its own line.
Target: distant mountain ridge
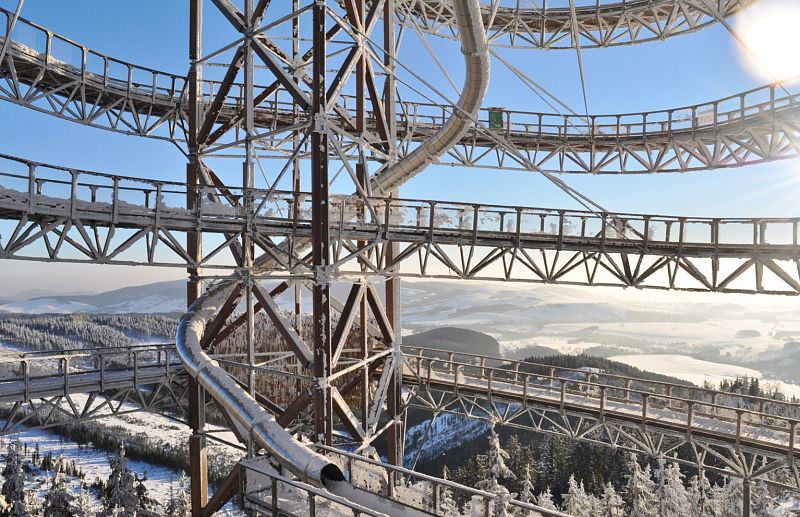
{"x": 158, "y": 297}
{"x": 456, "y": 339}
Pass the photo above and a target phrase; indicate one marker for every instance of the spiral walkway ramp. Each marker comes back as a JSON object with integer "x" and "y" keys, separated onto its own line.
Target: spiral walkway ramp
{"x": 299, "y": 101}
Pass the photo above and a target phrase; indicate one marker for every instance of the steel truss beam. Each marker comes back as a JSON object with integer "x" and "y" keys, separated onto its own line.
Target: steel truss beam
{"x": 41, "y": 390}
{"x": 96, "y": 224}
{"x": 606, "y": 24}
{"x": 711, "y": 430}
{"x": 751, "y": 127}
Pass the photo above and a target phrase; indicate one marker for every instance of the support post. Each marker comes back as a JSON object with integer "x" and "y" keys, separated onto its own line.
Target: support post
{"x": 320, "y": 235}
{"x": 198, "y": 455}
{"x": 395, "y": 433}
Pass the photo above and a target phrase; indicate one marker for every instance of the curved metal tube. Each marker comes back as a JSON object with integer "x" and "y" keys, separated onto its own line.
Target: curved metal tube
{"x": 261, "y": 425}
{"x": 476, "y": 81}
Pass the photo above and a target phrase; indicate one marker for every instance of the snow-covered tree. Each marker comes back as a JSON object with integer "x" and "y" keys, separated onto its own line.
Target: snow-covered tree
{"x": 700, "y": 496}
{"x": 728, "y": 498}
{"x": 526, "y": 496}
{"x": 179, "y": 504}
{"x": 545, "y": 500}
{"x": 447, "y": 505}
{"x": 58, "y": 501}
{"x": 82, "y": 505}
{"x": 671, "y": 492}
{"x": 576, "y": 501}
{"x": 611, "y": 504}
{"x": 13, "y": 488}
{"x": 640, "y": 491}
{"x": 496, "y": 469}
{"x": 119, "y": 496}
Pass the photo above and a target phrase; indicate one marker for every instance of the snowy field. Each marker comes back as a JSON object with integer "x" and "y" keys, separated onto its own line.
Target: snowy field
{"x": 697, "y": 371}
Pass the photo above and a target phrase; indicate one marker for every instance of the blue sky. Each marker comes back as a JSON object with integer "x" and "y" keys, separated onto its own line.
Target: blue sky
{"x": 680, "y": 71}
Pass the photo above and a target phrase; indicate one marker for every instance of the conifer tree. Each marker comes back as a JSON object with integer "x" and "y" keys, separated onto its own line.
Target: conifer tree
{"x": 526, "y": 496}
{"x": 640, "y": 491}
{"x": 14, "y": 485}
{"x": 82, "y": 505}
{"x": 576, "y": 501}
{"x": 700, "y": 497}
{"x": 496, "y": 469}
{"x": 58, "y": 501}
{"x": 612, "y": 504}
{"x": 447, "y": 505}
{"x": 119, "y": 496}
{"x": 545, "y": 500}
{"x": 671, "y": 492}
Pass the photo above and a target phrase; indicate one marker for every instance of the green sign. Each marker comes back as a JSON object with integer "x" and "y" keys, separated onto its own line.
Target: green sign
{"x": 495, "y": 119}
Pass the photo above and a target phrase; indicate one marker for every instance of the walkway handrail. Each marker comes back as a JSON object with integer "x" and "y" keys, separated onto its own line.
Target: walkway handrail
{"x": 516, "y": 368}
{"x": 395, "y": 473}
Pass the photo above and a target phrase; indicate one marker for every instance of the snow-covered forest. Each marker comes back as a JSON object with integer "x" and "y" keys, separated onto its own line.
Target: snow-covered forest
{"x": 35, "y": 484}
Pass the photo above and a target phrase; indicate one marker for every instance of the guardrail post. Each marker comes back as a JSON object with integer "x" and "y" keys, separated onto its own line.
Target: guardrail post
{"x": 102, "y": 373}
{"x": 792, "y": 430}
{"x": 31, "y": 187}
{"x": 644, "y": 410}
{"x": 627, "y": 389}
{"x": 602, "y": 403}
{"x": 73, "y": 194}
{"x": 525, "y": 380}
{"x": 312, "y": 505}
{"x": 561, "y": 402}
{"x": 26, "y": 380}
{"x": 66, "y": 374}
{"x": 689, "y": 421}
{"x": 274, "y": 487}
{"x": 738, "y": 428}
{"x": 136, "y": 368}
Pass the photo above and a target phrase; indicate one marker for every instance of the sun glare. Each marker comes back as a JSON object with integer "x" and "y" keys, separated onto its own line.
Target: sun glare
{"x": 771, "y": 31}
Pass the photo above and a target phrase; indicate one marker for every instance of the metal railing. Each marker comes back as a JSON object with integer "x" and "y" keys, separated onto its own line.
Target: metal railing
{"x": 42, "y": 46}
{"x": 39, "y": 45}
{"x": 113, "y": 195}
{"x": 693, "y": 411}
{"x": 23, "y": 372}
{"x": 395, "y": 483}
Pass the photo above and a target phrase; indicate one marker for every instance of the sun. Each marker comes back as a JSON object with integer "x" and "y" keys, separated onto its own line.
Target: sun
{"x": 771, "y": 31}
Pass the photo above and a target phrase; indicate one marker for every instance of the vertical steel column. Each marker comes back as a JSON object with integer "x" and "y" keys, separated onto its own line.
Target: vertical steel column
{"x": 362, "y": 175}
{"x": 247, "y": 191}
{"x": 296, "y": 170}
{"x": 320, "y": 209}
{"x": 198, "y": 456}
{"x": 396, "y": 433}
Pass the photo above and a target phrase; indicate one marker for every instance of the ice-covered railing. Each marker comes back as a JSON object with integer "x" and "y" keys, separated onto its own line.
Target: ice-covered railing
{"x": 512, "y": 368}
{"x": 26, "y": 371}
{"x": 758, "y": 105}
{"x": 757, "y": 421}
{"x": 417, "y": 490}
{"x": 268, "y": 493}
{"x": 23, "y": 181}
{"x": 549, "y": 23}
{"x": 42, "y": 46}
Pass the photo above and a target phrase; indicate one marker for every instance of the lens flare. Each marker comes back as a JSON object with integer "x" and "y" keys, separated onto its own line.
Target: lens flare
{"x": 771, "y": 31}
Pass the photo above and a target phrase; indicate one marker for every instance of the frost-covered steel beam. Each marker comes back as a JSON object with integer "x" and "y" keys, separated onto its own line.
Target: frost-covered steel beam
{"x": 46, "y": 389}
{"x": 434, "y": 238}
{"x": 647, "y": 417}
{"x": 606, "y": 23}
{"x": 750, "y": 127}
